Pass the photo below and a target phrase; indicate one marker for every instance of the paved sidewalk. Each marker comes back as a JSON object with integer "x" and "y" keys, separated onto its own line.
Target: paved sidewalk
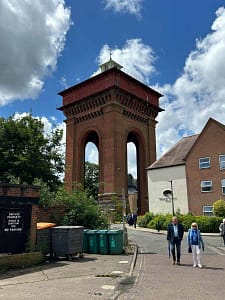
{"x": 94, "y": 276}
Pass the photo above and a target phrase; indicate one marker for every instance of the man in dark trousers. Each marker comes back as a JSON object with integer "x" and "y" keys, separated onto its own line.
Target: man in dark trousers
{"x": 175, "y": 232}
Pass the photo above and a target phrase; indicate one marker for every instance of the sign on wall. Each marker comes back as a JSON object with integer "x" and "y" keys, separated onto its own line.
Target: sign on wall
{"x": 14, "y": 228}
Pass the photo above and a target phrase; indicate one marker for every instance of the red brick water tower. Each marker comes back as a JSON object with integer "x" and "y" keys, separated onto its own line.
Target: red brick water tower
{"x": 110, "y": 110}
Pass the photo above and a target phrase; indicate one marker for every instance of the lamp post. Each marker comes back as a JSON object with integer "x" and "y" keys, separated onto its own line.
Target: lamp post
{"x": 171, "y": 187}
{"x": 169, "y": 193}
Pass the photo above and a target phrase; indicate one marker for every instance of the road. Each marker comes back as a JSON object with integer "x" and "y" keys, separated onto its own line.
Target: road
{"x": 157, "y": 244}
{"x": 156, "y": 277}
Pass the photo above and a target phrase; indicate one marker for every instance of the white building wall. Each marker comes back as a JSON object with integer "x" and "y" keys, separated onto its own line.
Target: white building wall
{"x": 158, "y": 182}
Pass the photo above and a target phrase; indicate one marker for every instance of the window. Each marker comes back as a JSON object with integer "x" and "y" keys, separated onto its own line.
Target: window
{"x": 204, "y": 162}
{"x": 222, "y": 162}
{"x": 207, "y": 210}
{"x": 223, "y": 186}
{"x": 206, "y": 186}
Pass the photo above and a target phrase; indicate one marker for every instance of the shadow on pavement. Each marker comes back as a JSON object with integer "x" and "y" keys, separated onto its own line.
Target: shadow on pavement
{"x": 54, "y": 263}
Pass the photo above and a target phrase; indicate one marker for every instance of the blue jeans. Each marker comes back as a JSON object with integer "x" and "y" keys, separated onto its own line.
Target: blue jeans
{"x": 175, "y": 246}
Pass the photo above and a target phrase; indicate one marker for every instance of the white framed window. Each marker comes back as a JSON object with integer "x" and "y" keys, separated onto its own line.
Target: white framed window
{"x": 222, "y": 161}
{"x": 223, "y": 186}
{"x": 206, "y": 186}
{"x": 204, "y": 162}
{"x": 207, "y": 210}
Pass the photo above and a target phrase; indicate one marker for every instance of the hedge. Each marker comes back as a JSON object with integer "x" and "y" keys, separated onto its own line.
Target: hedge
{"x": 160, "y": 222}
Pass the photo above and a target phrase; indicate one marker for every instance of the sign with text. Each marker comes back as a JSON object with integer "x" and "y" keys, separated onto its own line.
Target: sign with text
{"x": 14, "y": 221}
{"x": 14, "y": 228}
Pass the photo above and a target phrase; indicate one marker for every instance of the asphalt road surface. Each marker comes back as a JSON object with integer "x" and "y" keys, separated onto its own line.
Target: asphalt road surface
{"x": 156, "y": 277}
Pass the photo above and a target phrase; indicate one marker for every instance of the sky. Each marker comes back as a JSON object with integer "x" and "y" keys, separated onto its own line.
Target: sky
{"x": 176, "y": 47}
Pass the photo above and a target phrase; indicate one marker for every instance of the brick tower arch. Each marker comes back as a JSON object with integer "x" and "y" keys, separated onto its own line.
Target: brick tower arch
{"x": 136, "y": 137}
{"x": 114, "y": 108}
{"x": 90, "y": 135}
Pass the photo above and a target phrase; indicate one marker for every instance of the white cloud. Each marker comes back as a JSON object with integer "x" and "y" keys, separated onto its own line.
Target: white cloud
{"x": 124, "y": 6}
{"x": 132, "y": 159}
{"x": 199, "y": 93}
{"x": 50, "y": 124}
{"x": 32, "y": 37}
{"x": 136, "y": 58}
{"x": 91, "y": 153}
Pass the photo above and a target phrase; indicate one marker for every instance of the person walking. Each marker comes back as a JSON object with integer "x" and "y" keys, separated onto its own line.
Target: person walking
{"x": 175, "y": 232}
{"x": 134, "y": 218}
{"x": 222, "y": 231}
{"x": 195, "y": 243}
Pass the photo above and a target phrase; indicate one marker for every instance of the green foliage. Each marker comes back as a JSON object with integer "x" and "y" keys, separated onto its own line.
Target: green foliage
{"x": 117, "y": 213}
{"x": 205, "y": 224}
{"x": 131, "y": 180}
{"x": 47, "y": 197}
{"x": 143, "y": 221}
{"x": 158, "y": 222}
{"x": 219, "y": 208}
{"x": 81, "y": 209}
{"x": 92, "y": 179}
{"x": 27, "y": 153}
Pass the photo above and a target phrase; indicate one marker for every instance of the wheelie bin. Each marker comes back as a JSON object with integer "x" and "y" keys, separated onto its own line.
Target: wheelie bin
{"x": 115, "y": 241}
{"x": 103, "y": 242}
{"x": 85, "y": 241}
{"x": 93, "y": 241}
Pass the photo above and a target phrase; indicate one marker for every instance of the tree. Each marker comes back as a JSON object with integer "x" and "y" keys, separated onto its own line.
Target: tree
{"x": 131, "y": 180}
{"x": 27, "y": 153}
{"x": 92, "y": 179}
{"x": 219, "y": 208}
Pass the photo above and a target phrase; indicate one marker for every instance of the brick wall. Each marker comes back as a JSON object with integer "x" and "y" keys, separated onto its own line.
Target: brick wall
{"x": 209, "y": 144}
{"x": 51, "y": 215}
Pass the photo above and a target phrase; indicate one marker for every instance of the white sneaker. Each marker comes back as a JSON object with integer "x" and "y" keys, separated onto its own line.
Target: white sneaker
{"x": 194, "y": 266}
{"x": 200, "y": 266}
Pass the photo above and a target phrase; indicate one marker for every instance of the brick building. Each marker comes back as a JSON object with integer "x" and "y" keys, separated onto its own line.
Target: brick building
{"x": 196, "y": 166}
{"x": 205, "y": 169}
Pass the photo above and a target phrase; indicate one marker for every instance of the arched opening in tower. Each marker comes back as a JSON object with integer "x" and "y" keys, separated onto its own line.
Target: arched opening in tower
{"x": 91, "y": 172}
{"x": 132, "y": 173}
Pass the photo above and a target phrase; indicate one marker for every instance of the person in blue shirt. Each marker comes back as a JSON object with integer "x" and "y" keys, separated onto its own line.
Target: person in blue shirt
{"x": 175, "y": 232}
{"x": 195, "y": 241}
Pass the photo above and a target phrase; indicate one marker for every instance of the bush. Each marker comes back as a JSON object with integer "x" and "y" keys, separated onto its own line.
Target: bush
{"x": 143, "y": 221}
{"x": 205, "y": 224}
{"x": 81, "y": 209}
{"x": 219, "y": 208}
{"x": 159, "y": 222}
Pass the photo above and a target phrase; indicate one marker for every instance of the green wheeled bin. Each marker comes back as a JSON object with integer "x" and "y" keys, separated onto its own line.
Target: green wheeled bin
{"x": 85, "y": 240}
{"x": 103, "y": 242}
{"x": 93, "y": 241}
{"x": 115, "y": 241}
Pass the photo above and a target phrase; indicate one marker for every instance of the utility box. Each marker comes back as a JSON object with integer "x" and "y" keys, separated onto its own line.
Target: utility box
{"x": 67, "y": 241}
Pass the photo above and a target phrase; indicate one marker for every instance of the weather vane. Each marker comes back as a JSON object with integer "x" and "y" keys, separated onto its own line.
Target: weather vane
{"x": 110, "y": 54}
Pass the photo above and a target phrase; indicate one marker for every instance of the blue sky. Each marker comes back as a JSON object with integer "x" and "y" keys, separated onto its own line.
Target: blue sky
{"x": 176, "y": 47}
